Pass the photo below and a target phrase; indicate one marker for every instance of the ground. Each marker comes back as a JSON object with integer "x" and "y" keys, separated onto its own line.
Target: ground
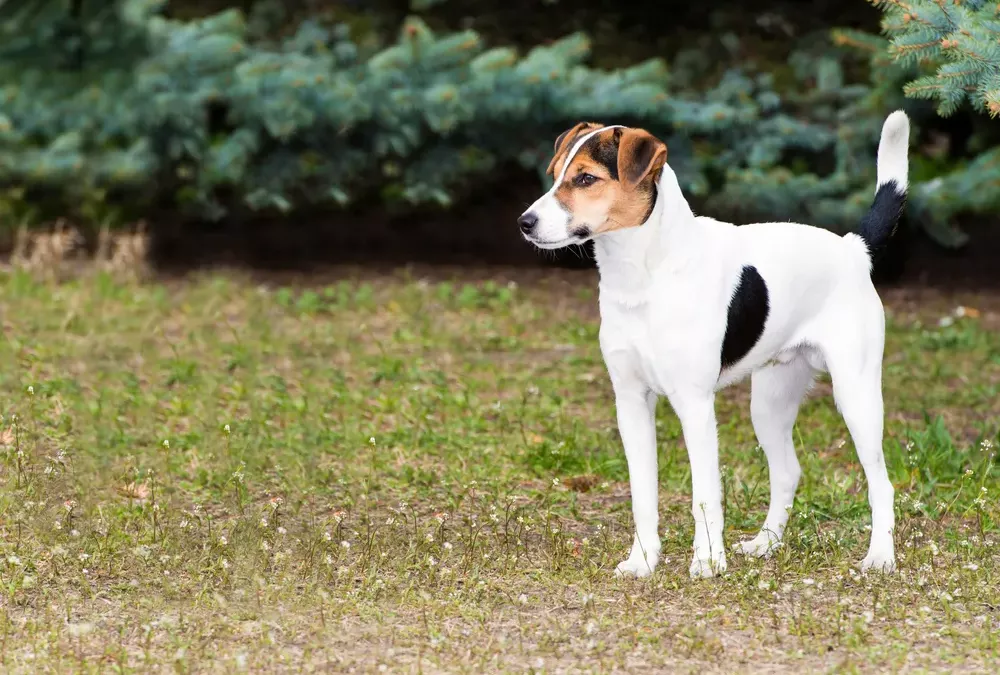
{"x": 421, "y": 473}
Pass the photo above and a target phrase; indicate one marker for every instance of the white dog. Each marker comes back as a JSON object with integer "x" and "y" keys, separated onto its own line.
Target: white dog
{"x": 690, "y": 305}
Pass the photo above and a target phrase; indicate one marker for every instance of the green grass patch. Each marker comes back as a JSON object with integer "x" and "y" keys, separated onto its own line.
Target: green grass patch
{"x": 219, "y": 475}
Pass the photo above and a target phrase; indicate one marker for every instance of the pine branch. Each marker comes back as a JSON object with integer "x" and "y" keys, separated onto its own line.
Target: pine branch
{"x": 957, "y": 38}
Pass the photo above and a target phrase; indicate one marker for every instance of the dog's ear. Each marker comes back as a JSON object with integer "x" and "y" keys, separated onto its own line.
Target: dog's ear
{"x": 639, "y": 155}
{"x": 564, "y": 143}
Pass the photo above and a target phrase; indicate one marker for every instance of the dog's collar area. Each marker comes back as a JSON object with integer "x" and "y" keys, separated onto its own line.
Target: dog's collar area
{"x": 652, "y": 205}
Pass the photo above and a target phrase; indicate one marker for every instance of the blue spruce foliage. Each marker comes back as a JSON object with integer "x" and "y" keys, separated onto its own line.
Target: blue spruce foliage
{"x": 124, "y": 106}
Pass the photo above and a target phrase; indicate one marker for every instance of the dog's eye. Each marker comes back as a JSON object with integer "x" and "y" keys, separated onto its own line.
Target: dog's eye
{"x": 584, "y": 180}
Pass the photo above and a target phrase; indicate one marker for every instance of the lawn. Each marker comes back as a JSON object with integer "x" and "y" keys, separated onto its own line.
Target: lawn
{"x": 408, "y": 473}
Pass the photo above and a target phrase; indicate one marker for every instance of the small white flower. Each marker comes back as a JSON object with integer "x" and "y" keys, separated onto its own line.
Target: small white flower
{"x": 31, "y": 390}
{"x": 223, "y": 540}
{"x": 345, "y": 544}
{"x": 14, "y": 560}
{"x": 264, "y": 546}
{"x": 523, "y": 599}
{"x": 327, "y": 536}
{"x": 166, "y": 444}
{"x": 227, "y": 429}
{"x": 808, "y": 582}
{"x": 263, "y": 522}
{"x": 79, "y": 629}
{"x": 447, "y": 546}
{"x": 971, "y": 566}
{"x": 282, "y": 531}
{"x": 225, "y": 564}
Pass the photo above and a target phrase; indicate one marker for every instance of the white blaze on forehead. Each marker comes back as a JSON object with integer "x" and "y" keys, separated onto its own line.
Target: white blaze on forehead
{"x": 576, "y": 148}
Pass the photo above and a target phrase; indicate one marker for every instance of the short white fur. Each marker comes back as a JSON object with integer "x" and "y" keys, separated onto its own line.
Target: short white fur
{"x": 665, "y": 288}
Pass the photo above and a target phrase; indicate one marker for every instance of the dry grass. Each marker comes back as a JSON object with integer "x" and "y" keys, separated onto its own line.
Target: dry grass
{"x": 410, "y": 475}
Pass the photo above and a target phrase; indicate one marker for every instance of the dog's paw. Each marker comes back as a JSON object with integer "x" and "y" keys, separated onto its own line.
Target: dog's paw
{"x": 879, "y": 562}
{"x": 705, "y": 568}
{"x": 761, "y": 546}
{"x": 636, "y": 566}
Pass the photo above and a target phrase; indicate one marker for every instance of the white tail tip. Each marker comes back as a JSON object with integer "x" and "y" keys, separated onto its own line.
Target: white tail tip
{"x": 892, "y": 151}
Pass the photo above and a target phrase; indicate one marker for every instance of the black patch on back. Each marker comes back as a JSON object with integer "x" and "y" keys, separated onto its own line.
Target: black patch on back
{"x": 879, "y": 224}
{"x": 748, "y": 310}
{"x": 605, "y": 153}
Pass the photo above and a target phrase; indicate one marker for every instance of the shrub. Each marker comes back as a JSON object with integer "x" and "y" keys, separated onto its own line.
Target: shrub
{"x": 116, "y": 105}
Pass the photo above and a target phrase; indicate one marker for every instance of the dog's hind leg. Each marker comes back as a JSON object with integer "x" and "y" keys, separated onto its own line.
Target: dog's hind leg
{"x": 776, "y": 392}
{"x": 857, "y": 388}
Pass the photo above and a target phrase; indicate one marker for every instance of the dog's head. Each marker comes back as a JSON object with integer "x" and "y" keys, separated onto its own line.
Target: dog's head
{"x": 605, "y": 180}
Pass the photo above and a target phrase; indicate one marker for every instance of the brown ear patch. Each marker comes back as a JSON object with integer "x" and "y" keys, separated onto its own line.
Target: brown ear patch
{"x": 640, "y": 154}
{"x": 565, "y": 141}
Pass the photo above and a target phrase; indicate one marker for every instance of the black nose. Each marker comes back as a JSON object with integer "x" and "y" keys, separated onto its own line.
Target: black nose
{"x": 527, "y": 222}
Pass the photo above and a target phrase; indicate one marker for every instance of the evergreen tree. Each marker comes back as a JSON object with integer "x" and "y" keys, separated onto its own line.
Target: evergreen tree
{"x": 221, "y": 116}
{"x": 958, "y": 40}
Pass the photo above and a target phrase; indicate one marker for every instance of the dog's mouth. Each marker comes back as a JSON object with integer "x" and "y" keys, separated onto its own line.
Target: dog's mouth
{"x": 579, "y": 235}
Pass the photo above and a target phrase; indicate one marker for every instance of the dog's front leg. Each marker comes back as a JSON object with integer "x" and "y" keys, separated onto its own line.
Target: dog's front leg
{"x": 696, "y": 411}
{"x": 636, "y": 407}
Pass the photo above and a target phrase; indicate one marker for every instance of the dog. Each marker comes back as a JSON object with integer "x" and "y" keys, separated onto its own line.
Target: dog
{"x": 690, "y": 305}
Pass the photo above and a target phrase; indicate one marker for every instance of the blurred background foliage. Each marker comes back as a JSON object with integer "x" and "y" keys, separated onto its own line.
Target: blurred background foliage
{"x": 211, "y": 113}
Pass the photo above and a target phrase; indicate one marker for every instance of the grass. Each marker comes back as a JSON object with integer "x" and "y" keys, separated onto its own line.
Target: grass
{"x": 410, "y": 475}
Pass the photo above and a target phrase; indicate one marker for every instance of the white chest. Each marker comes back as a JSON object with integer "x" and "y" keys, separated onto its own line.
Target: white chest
{"x": 635, "y": 348}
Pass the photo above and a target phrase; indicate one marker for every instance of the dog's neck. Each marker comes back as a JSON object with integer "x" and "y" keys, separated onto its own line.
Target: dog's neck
{"x": 628, "y": 258}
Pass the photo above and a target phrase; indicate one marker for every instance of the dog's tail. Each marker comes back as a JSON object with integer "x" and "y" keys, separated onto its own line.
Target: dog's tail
{"x": 879, "y": 224}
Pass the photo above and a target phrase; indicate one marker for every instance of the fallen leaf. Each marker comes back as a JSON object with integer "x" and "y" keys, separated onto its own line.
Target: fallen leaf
{"x": 139, "y": 491}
